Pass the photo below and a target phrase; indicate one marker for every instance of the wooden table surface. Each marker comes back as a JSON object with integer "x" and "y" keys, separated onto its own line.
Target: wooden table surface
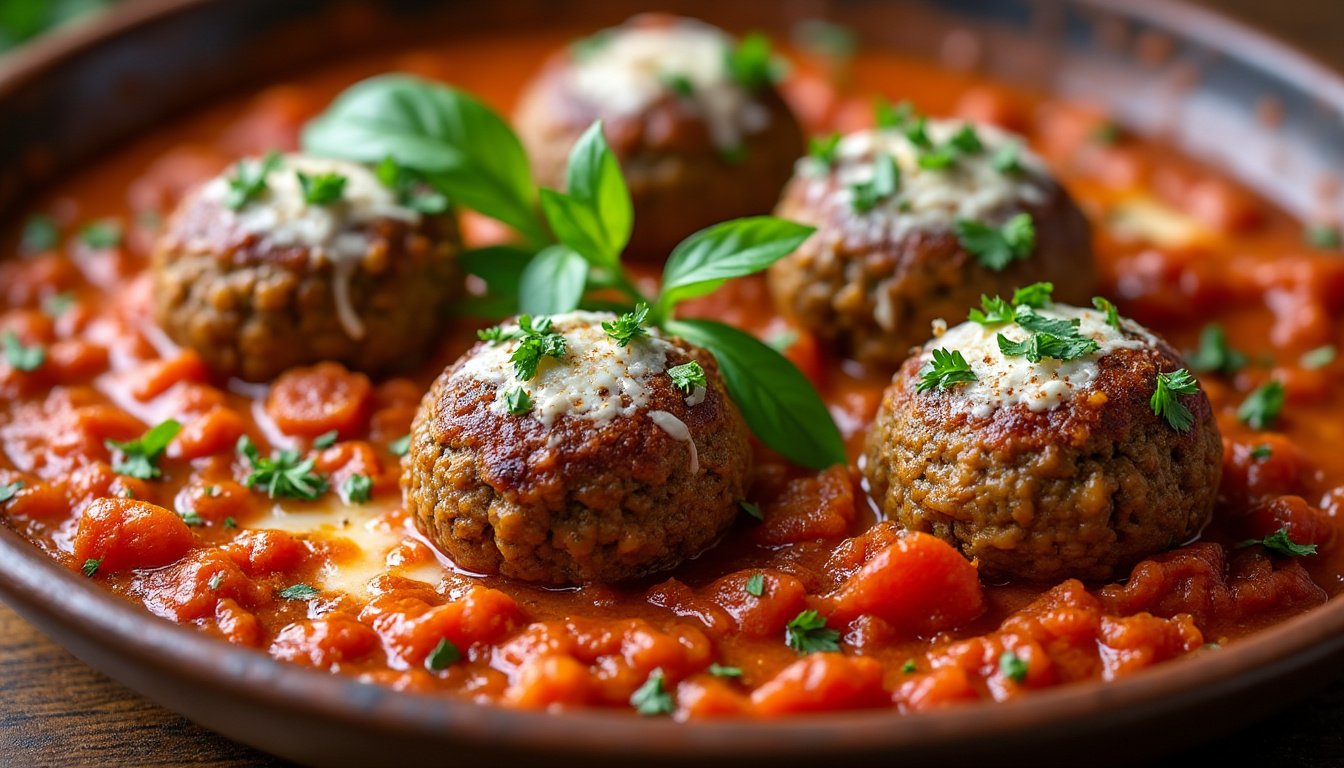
{"x": 55, "y": 711}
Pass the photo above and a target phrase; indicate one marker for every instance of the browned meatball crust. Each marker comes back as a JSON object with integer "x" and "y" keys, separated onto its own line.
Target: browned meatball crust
{"x": 581, "y": 499}
{"x": 254, "y": 304}
{"x": 1085, "y": 489}
{"x": 870, "y": 283}
{"x": 684, "y": 170}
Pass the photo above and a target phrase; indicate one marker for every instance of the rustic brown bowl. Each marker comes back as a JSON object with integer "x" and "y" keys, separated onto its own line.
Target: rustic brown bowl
{"x": 1198, "y": 78}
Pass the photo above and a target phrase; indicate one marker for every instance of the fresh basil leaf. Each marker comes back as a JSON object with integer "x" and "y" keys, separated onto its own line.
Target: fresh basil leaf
{"x": 500, "y": 267}
{"x": 776, "y": 399}
{"x": 594, "y": 179}
{"x": 463, "y": 147}
{"x": 708, "y": 258}
{"x": 552, "y": 282}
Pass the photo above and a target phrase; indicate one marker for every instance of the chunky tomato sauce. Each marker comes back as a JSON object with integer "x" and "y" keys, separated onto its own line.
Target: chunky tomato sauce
{"x": 1179, "y": 247}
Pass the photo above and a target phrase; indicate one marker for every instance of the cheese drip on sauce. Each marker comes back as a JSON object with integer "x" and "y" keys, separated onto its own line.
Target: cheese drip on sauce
{"x": 331, "y": 233}
{"x": 627, "y": 69}
{"x": 927, "y": 199}
{"x": 1003, "y": 381}
{"x": 596, "y": 379}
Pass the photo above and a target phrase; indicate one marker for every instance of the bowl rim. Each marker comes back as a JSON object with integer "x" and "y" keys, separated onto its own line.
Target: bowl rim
{"x": 38, "y": 585}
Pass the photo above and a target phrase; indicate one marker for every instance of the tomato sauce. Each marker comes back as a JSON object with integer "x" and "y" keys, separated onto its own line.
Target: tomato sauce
{"x": 350, "y": 587}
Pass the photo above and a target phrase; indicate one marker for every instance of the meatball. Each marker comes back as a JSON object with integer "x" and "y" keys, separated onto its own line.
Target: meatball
{"x": 1047, "y": 470}
{"x": 605, "y": 469}
{"x": 887, "y": 259}
{"x": 257, "y": 279}
{"x": 685, "y": 126}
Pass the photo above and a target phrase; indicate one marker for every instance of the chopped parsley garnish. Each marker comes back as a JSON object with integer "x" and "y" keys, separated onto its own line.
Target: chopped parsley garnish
{"x": 102, "y": 234}
{"x": 444, "y": 655}
{"x": 884, "y": 184}
{"x": 1214, "y": 354}
{"x": 1049, "y": 337}
{"x": 1036, "y": 295}
{"x": 139, "y": 458}
{"x": 678, "y": 84}
{"x": 1007, "y": 159}
{"x": 10, "y": 490}
{"x": 1324, "y": 236}
{"x": 886, "y": 116}
{"x": 495, "y": 334}
{"x": 1112, "y": 314}
{"x": 58, "y": 304}
{"x": 688, "y": 376}
{"x": 518, "y": 402}
{"x": 755, "y": 585}
{"x": 909, "y": 667}
{"x": 652, "y": 698}
{"x": 23, "y": 358}
{"x": 807, "y": 633}
{"x": 410, "y": 188}
{"x": 1262, "y": 407}
{"x": 945, "y": 369}
{"x": 966, "y": 141}
{"x": 1279, "y": 543}
{"x": 823, "y": 149}
{"x": 91, "y": 566}
{"x": 1318, "y": 358}
{"x": 216, "y": 581}
{"x": 719, "y": 670}
{"x": 752, "y": 510}
{"x": 1164, "y": 401}
{"x": 538, "y": 341}
{"x": 299, "y": 592}
{"x": 357, "y": 489}
{"x": 283, "y": 475}
{"x": 587, "y": 47}
{"x": 401, "y": 446}
{"x": 321, "y": 188}
{"x": 230, "y": 523}
{"x": 39, "y": 234}
{"x": 997, "y": 247}
{"x": 1262, "y": 451}
{"x": 916, "y": 130}
{"x": 1039, "y": 346}
{"x": 191, "y": 517}
{"x": 326, "y": 439}
{"x": 629, "y": 326}
{"x": 249, "y": 180}
{"x": 993, "y": 311}
{"x": 1012, "y": 666}
{"x": 751, "y": 63}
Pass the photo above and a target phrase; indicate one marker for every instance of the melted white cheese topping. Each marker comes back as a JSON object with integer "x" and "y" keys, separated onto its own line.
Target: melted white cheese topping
{"x": 596, "y": 379}
{"x": 1006, "y": 381}
{"x": 330, "y": 232}
{"x": 629, "y": 68}
{"x": 927, "y": 199}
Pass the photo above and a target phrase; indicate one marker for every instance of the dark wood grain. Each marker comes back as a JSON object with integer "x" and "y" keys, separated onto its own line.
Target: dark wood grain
{"x": 55, "y": 711}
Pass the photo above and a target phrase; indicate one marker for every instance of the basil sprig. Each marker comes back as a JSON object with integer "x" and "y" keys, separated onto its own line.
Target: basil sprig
{"x": 463, "y": 148}
{"x": 571, "y": 256}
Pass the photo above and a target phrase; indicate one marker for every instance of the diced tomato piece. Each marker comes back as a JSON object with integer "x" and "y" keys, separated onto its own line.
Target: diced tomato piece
{"x": 819, "y": 506}
{"x": 1306, "y": 524}
{"x": 156, "y": 377}
{"x": 124, "y": 534}
{"x": 265, "y": 552}
{"x": 935, "y": 689}
{"x": 782, "y": 597}
{"x": 333, "y": 639}
{"x": 822, "y": 682}
{"x": 704, "y": 696}
{"x": 311, "y": 401}
{"x": 919, "y": 583}
{"x": 553, "y": 681}
{"x": 216, "y": 431}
